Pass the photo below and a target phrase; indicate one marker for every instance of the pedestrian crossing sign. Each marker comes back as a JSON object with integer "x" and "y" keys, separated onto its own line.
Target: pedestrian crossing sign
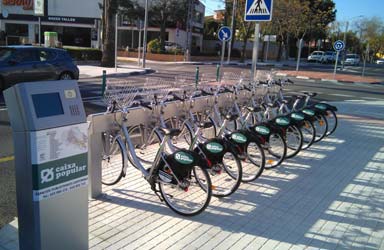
{"x": 258, "y": 10}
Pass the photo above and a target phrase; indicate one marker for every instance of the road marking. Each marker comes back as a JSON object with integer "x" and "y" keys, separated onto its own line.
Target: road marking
{"x": 342, "y": 95}
{"x": 3, "y": 109}
{"x": 6, "y": 159}
{"x": 365, "y": 85}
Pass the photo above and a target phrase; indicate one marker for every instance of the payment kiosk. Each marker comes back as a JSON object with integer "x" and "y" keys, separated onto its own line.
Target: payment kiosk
{"x": 51, "y": 144}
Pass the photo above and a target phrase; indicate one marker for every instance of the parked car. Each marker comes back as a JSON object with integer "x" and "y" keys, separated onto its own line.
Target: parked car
{"x": 316, "y": 56}
{"x": 380, "y": 61}
{"x": 352, "y": 59}
{"x": 328, "y": 57}
{"x": 29, "y": 63}
{"x": 171, "y": 46}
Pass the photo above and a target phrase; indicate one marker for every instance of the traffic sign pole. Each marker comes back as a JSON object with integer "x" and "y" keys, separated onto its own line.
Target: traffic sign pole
{"x": 222, "y": 58}
{"x": 299, "y": 54}
{"x": 336, "y": 61}
{"x": 338, "y": 46}
{"x": 255, "y": 52}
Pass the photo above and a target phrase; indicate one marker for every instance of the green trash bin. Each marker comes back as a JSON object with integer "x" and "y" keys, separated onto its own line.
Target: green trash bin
{"x": 50, "y": 39}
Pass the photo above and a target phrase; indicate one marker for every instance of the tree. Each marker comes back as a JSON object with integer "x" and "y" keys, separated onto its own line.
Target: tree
{"x": 245, "y": 29}
{"x": 109, "y": 12}
{"x": 166, "y": 13}
{"x": 372, "y": 33}
{"x": 210, "y": 28}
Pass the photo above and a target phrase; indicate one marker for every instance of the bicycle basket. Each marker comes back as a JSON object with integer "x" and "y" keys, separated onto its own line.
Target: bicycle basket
{"x": 181, "y": 162}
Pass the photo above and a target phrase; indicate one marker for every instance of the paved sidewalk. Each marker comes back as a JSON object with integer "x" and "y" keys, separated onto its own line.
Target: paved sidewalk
{"x": 90, "y": 71}
{"x": 328, "y": 197}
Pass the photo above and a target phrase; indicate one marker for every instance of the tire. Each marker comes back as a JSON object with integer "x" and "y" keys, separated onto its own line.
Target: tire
{"x": 309, "y": 134}
{"x": 275, "y": 151}
{"x": 226, "y": 177}
{"x": 66, "y": 76}
{"x": 321, "y": 127}
{"x": 146, "y": 143}
{"x": 112, "y": 160}
{"x": 191, "y": 201}
{"x": 294, "y": 140}
{"x": 332, "y": 122}
{"x": 3, "y": 84}
{"x": 253, "y": 165}
{"x": 184, "y": 139}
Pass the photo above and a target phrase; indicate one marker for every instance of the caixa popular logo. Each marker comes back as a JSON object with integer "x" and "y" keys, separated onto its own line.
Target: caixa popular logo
{"x": 262, "y": 130}
{"x": 47, "y": 175}
{"x": 309, "y": 112}
{"x": 282, "y": 121}
{"x": 214, "y": 147}
{"x": 297, "y": 116}
{"x": 64, "y": 172}
{"x": 321, "y": 106}
{"x": 239, "y": 138}
{"x": 183, "y": 158}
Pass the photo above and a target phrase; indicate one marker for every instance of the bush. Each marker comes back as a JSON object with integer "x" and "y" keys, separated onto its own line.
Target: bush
{"x": 154, "y": 46}
{"x": 84, "y": 54}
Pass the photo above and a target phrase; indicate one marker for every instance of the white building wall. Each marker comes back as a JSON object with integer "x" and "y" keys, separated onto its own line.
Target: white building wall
{"x": 75, "y": 8}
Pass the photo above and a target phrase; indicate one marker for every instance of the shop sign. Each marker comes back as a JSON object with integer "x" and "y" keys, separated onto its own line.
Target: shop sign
{"x": 26, "y": 4}
{"x": 62, "y": 19}
{"x": 39, "y": 7}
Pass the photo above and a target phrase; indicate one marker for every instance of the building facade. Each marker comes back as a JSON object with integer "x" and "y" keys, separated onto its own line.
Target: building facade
{"x": 129, "y": 33}
{"x": 77, "y": 22}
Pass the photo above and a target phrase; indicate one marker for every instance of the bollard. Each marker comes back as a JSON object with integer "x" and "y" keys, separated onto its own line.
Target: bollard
{"x": 104, "y": 82}
{"x": 197, "y": 78}
{"x": 217, "y": 72}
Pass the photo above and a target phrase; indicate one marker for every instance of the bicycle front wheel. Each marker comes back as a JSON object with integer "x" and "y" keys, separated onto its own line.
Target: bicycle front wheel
{"x": 309, "y": 134}
{"x": 321, "y": 127}
{"x": 254, "y": 163}
{"x": 226, "y": 176}
{"x": 193, "y": 197}
{"x": 294, "y": 141}
{"x": 276, "y": 150}
{"x": 332, "y": 121}
{"x": 112, "y": 159}
{"x": 146, "y": 143}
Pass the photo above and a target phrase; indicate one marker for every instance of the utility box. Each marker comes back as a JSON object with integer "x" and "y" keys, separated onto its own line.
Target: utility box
{"x": 50, "y": 39}
{"x": 51, "y": 145}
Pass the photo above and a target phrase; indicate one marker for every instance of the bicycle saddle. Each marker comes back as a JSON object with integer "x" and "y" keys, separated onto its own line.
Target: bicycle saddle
{"x": 231, "y": 117}
{"x": 254, "y": 109}
{"x": 205, "y": 125}
{"x": 170, "y": 131}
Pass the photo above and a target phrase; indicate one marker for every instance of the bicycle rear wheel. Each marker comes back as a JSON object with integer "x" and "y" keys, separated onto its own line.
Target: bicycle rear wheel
{"x": 190, "y": 199}
{"x": 112, "y": 159}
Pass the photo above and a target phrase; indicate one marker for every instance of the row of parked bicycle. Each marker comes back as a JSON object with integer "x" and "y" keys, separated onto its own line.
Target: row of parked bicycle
{"x": 244, "y": 128}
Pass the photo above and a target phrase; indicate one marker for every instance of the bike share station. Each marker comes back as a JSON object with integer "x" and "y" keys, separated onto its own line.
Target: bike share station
{"x": 51, "y": 145}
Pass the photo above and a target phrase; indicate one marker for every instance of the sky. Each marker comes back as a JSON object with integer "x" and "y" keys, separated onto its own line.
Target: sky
{"x": 347, "y": 10}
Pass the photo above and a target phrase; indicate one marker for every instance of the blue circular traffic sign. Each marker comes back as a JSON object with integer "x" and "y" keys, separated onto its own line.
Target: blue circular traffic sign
{"x": 224, "y": 34}
{"x": 338, "y": 45}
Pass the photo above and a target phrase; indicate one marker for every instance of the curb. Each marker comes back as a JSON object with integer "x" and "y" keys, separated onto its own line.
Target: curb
{"x": 134, "y": 73}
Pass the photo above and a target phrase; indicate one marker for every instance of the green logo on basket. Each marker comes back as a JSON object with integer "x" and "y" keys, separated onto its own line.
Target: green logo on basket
{"x": 262, "y": 130}
{"x": 309, "y": 112}
{"x": 297, "y": 116}
{"x": 321, "y": 106}
{"x": 282, "y": 121}
{"x": 239, "y": 138}
{"x": 214, "y": 147}
{"x": 183, "y": 158}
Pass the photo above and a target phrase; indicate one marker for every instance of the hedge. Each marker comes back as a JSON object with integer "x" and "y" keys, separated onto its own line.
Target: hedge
{"x": 84, "y": 54}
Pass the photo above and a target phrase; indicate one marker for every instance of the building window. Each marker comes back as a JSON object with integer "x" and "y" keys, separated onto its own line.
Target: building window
{"x": 15, "y": 29}
{"x": 198, "y": 18}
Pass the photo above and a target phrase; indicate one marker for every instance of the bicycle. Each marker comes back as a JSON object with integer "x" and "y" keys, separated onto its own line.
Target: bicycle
{"x": 181, "y": 176}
